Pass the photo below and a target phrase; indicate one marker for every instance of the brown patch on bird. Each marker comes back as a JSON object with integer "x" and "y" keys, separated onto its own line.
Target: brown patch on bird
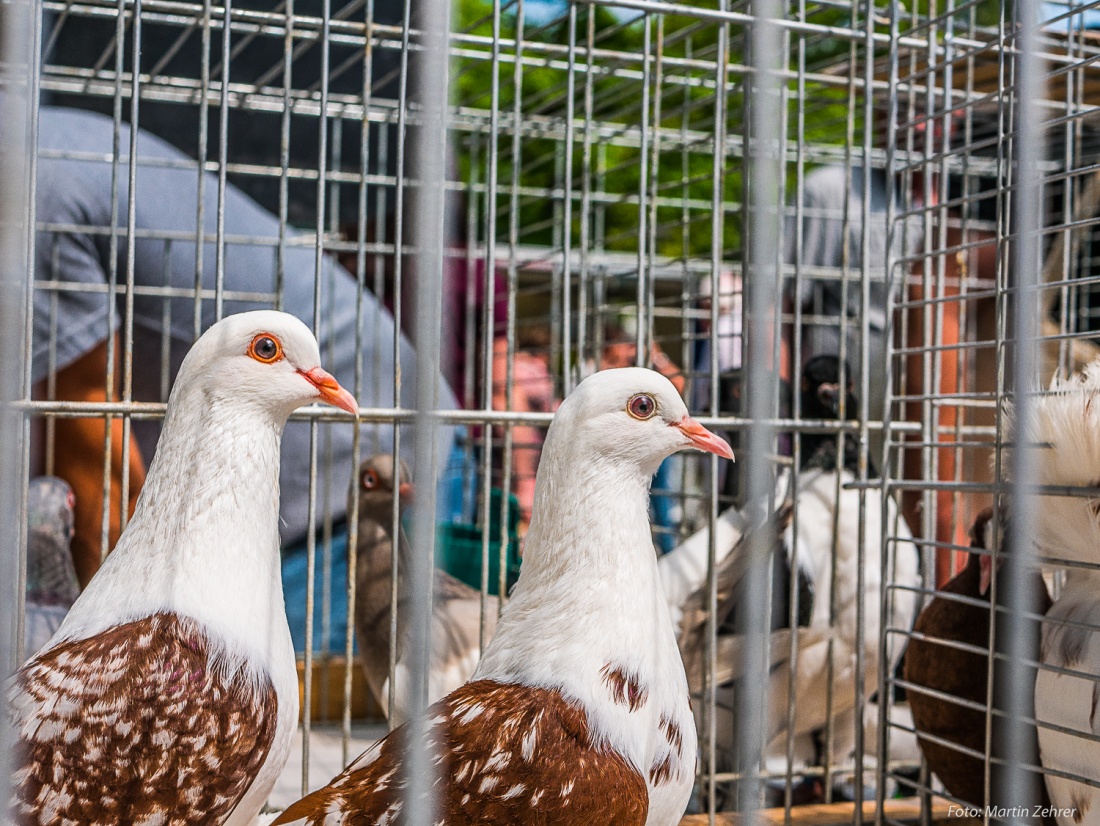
{"x": 662, "y": 771}
{"x": 624, "y": 688}
{"x": 1080, "y": 800}
{"x": 136, "y": 724}
{"x": 673, "y": 735}
{"x": 501, "y": 752}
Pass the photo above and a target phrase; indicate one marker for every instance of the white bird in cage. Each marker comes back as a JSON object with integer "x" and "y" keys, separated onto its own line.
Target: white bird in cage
{"x": 1066, "y": 423}
{"x": 170, "y": 692}
{"x": 578, "y": 712}
{"x": 828, "y": 516}
{"x": 456, "y": 607}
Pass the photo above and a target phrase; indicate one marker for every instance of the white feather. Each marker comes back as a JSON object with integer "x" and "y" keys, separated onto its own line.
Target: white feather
{"x": 1066, "y": 423}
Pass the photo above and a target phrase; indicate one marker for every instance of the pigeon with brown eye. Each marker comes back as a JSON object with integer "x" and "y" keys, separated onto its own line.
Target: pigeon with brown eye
{"x": 265, "y": 348}
{"x": 642, "y": 406}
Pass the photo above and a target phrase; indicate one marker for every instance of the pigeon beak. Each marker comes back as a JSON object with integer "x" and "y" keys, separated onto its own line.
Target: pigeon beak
{"x": 702, "y": 438}
{"x": 330, "y": 390}
{"x": 405, "y": 492}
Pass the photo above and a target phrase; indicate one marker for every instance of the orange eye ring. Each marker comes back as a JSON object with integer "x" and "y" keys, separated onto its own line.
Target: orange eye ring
{"x": 370, "y": 479}
{"x": 265, "y": 348}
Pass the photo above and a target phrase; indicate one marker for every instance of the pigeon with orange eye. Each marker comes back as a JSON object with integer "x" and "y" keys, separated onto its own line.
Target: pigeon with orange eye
{"x": 268, "y": 349}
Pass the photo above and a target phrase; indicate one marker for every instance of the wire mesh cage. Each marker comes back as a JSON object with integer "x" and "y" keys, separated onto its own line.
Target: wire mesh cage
{"x": 857, "y": 238}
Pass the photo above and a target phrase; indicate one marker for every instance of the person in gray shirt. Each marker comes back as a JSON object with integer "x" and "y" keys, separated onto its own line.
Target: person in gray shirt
{"x": 832, "y": 217}
{"x": 72, "y": 302}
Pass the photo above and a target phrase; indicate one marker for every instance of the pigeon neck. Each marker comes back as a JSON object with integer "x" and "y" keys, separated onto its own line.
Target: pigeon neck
{"x": 588, "y": 603}
{"x": 203, "y": 541}
{"x": 374, "y": 567}
{"x": 586, "y": 517}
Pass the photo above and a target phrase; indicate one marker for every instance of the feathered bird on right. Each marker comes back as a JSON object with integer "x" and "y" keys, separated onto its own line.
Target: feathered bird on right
{"x": 1066, "y": 423}
{"x": 825, "y": 553}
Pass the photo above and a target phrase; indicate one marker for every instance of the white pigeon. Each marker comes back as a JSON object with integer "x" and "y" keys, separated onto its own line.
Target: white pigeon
{"x": 1067, "y": 423}
{"x": 578, "y": 712}
{"x": 827, "y": 514}
{"x": 169, "y": 693}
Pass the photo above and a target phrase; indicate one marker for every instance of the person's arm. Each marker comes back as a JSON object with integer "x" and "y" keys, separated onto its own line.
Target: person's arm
{"x": 79, "y": 459}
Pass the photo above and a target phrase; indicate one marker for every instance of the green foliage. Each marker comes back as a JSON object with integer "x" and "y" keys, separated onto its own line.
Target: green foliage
{"x": 683, "y": 180}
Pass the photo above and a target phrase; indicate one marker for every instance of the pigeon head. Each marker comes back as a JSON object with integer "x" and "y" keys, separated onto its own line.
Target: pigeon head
{"x": 821, "y": 389}
{"x": 264, "y": 358}
{"x": 51, "y": 577}
{"x": 50, "y": 503}
{"x": 376, "y": 484}
{"x": 632, "y": 415}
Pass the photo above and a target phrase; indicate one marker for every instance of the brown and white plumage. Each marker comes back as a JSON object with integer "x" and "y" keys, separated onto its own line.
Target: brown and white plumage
{"x": 1066, "y": 423}
{"x": 169, "y": 693}
{"x": 456, "y": 607}
{"x": 578, "y": 712}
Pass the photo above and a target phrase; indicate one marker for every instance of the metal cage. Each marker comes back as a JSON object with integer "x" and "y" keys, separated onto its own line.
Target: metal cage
{"x": 513, "y": 194}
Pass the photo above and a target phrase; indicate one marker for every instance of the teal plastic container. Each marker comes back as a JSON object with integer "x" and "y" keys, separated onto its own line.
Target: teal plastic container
{"x": 458, "y": 547}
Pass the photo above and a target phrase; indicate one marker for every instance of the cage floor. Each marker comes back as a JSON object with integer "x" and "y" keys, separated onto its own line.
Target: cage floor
{"x": 326, "y": 758}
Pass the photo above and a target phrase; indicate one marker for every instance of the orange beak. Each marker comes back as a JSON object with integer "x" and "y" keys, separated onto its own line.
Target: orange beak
{"x": 330, "y": 390}
{"x": 702, "y": 438}
{"x": 405, "y": 492}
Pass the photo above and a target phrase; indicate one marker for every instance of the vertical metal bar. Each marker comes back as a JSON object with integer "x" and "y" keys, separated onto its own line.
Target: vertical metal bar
{"x": 764, "y": 213}
{"x": 717, "y": 245}
{"x": 891, "y": 274}
{"x": 864, "y": 411}
{"x": 513, "y": 282}
{"x": 491, "y": 178}
{"x": 585, "y": 239}
{"x": 641, "y": 355}
{"x": 223, "y": 161}
{"x": 567, "y": 213}
{"x": 19, "y": 36}
{"x": 203, "y": 140}
{"x": 284, "y": 149}
{"x": 430, "y": 235}
{"x": 1027, "y": 145}
{"x": 318, "y": 276}
{"x": 131, "y": 243}
{"x": 356, "y": 448}
{"x": 796, "y": 385}
{"x": 112, "y": 274}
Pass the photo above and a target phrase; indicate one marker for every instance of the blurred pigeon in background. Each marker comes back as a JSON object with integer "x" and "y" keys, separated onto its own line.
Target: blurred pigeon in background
{"x": 52, "y": 586}
{"x": 456, "y": 607}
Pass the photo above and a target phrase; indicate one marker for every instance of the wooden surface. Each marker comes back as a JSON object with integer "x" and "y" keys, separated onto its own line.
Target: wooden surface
{"x": 327, "y": 694}
{"x": 835, "y": 814}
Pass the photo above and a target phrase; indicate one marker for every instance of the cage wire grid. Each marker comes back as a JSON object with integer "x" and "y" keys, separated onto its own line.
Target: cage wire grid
{"x": 636, "y": 183}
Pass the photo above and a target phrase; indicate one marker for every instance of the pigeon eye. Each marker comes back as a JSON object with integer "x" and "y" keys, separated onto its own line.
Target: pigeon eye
{"x": 642, "y": 406}
{"x": 265, "y": 348}
{"x": 370, "y": 480}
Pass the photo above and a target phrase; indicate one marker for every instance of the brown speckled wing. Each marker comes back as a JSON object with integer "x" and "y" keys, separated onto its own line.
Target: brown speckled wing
{"x": 134, "y": 726}
{"x": 510, "y": 754}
